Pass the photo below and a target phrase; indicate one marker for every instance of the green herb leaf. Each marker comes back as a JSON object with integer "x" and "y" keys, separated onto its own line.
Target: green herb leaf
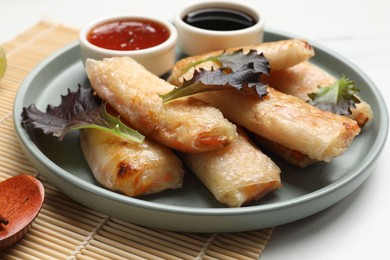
{"x": 337, "y": 98}
{"x": 238, "y": 70}
{"x": 78, "y": 110}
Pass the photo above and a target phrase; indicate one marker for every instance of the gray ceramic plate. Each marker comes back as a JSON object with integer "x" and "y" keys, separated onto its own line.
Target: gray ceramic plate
{"x": 193, "y": 208}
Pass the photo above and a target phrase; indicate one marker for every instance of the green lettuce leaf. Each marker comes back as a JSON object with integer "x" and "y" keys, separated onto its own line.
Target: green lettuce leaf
{"x": 77, "y": 110}
{"x": 238, "y": 70}
{"x": 337, "y": 98}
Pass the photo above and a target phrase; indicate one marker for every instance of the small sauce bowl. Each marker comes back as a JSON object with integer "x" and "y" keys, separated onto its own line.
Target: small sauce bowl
{"x": 217, "y": 25}
{"x": 149, "y": 41}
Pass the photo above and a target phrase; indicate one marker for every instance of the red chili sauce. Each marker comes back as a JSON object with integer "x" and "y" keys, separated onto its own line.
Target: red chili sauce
{"x": 128, "y": 35}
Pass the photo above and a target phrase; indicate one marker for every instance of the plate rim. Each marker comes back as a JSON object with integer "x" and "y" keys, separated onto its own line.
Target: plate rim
{"x": 372, "y": 156}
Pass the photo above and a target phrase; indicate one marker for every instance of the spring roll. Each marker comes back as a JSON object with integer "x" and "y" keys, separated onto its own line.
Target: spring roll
{"x": 237, "y": 174}
{"x": 128, "y": 167}
{"x": 281, "y": 55}
{"x": 186, "y": 125}
{"x": 304, "y": 78}
{"x": 288, "y": 121}
{"x": 280, "y": 118}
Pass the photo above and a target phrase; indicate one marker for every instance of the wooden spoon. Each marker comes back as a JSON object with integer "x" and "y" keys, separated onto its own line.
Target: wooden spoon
{"x": 21, "y": 198}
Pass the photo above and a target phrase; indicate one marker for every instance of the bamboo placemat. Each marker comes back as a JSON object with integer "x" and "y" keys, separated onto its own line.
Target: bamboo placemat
{"x": 65, "y": 229}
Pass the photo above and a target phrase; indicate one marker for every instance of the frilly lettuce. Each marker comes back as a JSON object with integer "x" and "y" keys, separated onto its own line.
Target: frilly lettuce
{"x": 78, "y": 110}
{"x": 236, "y": 70}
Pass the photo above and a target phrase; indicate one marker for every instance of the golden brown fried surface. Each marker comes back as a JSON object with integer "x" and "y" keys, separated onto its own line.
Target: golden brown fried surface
{"x": 129, "y": 167}
{"x": 237, "y": 174}
{"x": 186, "y": 125}
{"x": 281, "y": 118}
{"x": 305, "y": 78}
{"x": 281, "y": 55}
{"x": 288, "y": 121}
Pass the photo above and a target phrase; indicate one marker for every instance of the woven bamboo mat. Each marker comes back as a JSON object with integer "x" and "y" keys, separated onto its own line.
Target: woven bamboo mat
{"x": 65, "y": 229}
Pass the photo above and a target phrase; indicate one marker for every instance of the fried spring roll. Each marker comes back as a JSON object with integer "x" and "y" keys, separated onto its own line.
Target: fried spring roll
{"x": 304, "y": 78}
{"x": 280, "y": 118}
{"x": 186, "y": 125}
{"x": 288, "y": 121}
{"x": 281, "y": 55}
{"x": 128, "y": 167}
{"x": 237, "y": 174}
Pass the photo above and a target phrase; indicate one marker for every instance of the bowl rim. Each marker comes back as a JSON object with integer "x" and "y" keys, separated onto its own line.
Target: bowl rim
{"x": 255, "y": 14}
{"x": 166, "y": 45}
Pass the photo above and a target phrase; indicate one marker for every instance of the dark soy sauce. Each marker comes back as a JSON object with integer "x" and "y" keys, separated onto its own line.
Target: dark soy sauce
{"x": 219, "y": 19}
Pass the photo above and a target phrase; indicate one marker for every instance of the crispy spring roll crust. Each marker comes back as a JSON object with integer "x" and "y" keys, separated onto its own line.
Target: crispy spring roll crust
{"x": 304, "y": 78}
{"x": 237, "y": 174}
{"x": 128, "y": 167}
{"x": 281, "y": 55}
{"x": 281, "y": 118}
{"x": 186, "y": 125}
{"x": 288, "y": 121}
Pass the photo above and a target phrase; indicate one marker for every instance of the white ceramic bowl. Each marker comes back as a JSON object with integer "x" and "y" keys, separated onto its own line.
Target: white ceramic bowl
{"x": 193, "y": 40}
{"x": 158, "y": 59}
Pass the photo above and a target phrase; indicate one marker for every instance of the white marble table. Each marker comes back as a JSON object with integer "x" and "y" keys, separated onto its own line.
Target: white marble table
{"x": 357, "y": 227}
